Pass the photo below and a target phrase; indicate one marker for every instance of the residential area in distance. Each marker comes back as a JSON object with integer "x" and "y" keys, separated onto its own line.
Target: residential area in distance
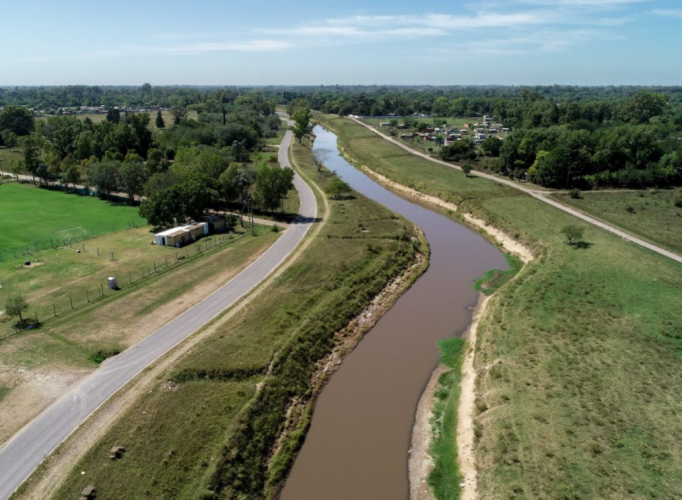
{"x": 367, "y": 252}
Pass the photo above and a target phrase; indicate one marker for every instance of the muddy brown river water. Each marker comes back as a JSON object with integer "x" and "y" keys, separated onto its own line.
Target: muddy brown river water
{"x": 358, "y": 445}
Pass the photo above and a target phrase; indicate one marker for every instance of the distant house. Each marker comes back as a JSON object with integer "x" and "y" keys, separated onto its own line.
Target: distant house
{"x": 182, "y": 235}
{"x": 384, "y": 124}
{"x": 407, "y": 136}
{"x": 505, "y": 129}
{"x": 480, "y": 137}
{"x": 402, "y": 126}
{"x": 467, "y": 125}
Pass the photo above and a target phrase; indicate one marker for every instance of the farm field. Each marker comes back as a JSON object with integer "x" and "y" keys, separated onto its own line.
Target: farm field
{"x": 223, "y": 380}
{"x": 650, "y": 214}
{"x": 55, "y": 214}
{"x": 578, "y": 358}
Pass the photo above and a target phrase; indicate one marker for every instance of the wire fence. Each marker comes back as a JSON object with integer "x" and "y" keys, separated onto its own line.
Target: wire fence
{"x": 64, "y": 238}
{"x": 125, "y": 280}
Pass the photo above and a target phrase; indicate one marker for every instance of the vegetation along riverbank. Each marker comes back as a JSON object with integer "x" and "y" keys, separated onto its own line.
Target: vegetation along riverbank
{"x": 577, "y": 358}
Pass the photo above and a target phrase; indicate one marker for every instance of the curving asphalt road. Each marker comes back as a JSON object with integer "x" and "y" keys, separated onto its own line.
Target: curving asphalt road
{"x": 26, "y": 449}
{"x": 540, "y": 195}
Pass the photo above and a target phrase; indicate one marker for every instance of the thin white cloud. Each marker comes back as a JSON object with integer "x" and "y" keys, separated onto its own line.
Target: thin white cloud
{"x": 668, "y": 12}
{"x": 203, "y": 47}
{"x": 585, "y": 3}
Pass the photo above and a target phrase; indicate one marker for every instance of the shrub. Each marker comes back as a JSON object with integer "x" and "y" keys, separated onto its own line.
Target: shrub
{"x": 575, "y": 194}
{"x": 338, "y": 189}
{"x": 573, "y": 233}
{"x": 678, "y": 201}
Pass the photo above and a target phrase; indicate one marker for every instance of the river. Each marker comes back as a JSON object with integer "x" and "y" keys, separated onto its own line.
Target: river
{"x": 358, "y": 443}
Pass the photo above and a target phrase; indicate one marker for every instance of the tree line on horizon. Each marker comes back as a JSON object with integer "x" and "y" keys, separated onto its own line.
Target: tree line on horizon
{"x": 182, "y": 170}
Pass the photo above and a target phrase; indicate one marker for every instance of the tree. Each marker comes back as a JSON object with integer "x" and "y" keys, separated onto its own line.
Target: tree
{"x": 573, "y": 233}
{"x": 467, "y": 169}
{"x": 114, "y": 115}
{"x": 179, "y": 113}
{"x": 320, "y": 156}
{"x": 492, "y": 146}
{"x": 104, "y": 176}
{"x": 17, "y": 119}
{"x": 272, "y": 185}
{"x": 16, "y": 305}
{"x": 10, "y": 139}
{"x": 160, "y": 123}
{"x": 132, "y": 176}
{"x": 72, "y": 176}
{"x": 238, "y": 152}
{"x": 301, "y": 122}
{"x": 164, "y": 207}
{"x": 644, "y": 106}
{"x": 337, "y": 189}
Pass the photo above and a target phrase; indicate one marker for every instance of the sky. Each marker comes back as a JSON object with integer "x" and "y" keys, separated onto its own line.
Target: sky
{"x": 266, "y": 42}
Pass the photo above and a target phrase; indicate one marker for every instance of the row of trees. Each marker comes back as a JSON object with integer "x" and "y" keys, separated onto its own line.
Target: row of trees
{"x": 623, "y": 156}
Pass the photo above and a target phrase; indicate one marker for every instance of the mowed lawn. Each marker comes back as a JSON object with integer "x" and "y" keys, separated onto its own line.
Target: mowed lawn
{"x": 650, "y": 214}
{"x": 31, "y": 214}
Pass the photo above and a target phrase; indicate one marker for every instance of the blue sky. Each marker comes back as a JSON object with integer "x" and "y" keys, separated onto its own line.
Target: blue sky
{"x": 209, "y": 42}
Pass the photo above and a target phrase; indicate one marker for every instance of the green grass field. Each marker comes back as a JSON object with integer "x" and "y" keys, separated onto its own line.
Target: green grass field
{"x": 579, "y": 358}
{"x": 221, "y": 445}
{"x": 167, "y": 118}
{"x": 650, "y": 214}
{"x": 9, "y": 157}
{"x": 31, "y": 214}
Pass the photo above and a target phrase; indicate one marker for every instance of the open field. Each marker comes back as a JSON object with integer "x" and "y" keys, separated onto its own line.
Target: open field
{"x": 650, "y": 214}
{"x": 38, "y": 365}
{"x": 167, "y": 117}
{"x": 223, "y": 447}
{"x": 579, "y": 358}
{"x": 8, "y": 157}
{"x": 55, "y": 214}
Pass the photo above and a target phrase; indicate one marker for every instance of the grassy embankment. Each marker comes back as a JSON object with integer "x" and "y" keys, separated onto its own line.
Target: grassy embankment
{"x": 206, "y": 431}
{"x": 579, "y": 358}
{"x": 650, "y": 214}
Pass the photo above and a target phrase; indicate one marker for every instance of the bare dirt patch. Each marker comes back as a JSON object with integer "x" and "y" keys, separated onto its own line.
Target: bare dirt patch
{"x": 31, "y": 392}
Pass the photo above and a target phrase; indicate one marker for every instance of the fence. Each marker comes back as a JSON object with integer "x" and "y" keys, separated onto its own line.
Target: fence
{"x": 66, "y": 238}
{"x": 127, "y": 280}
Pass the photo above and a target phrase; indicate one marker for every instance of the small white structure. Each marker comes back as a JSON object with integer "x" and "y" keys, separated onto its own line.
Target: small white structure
{"x": 111, "y": 282}
{"x": 180, "y": 236}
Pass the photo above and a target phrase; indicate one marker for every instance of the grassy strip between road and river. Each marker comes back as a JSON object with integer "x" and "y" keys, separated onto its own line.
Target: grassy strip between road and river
{"x": 577, "y": 360}
{"x": 227, "y": 420}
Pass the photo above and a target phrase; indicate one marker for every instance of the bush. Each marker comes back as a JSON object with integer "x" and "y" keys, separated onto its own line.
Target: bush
{"x": 575, "y": 194}
{"x": 678, "y": 201}
{"x": 338, "y": 189}
{"x": 573, "y": 233}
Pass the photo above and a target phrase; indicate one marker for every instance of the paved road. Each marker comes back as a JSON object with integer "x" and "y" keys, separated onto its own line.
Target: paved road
{"x": 543, "y": 196}
{"x": 26, "y": 449}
